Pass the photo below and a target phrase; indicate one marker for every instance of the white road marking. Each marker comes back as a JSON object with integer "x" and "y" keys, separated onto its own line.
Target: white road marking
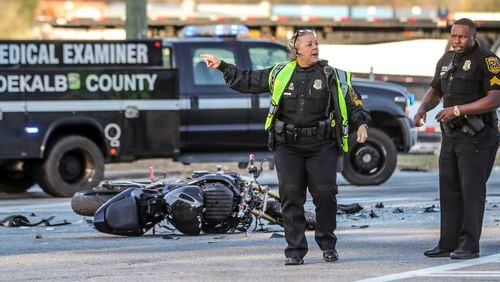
{"x": 444, "y": 270}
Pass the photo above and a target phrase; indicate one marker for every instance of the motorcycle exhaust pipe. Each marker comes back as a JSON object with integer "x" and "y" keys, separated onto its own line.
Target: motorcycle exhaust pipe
{"x": 264, "y": 215}
{"x": 265, "y": 190}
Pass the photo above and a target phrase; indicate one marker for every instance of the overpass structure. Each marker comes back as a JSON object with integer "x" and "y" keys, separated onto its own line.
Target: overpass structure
{"x": 339, "y": 24}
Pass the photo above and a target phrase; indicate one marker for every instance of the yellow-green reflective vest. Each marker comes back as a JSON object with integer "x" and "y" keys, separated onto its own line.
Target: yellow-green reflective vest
{"x": 278, "y": 80}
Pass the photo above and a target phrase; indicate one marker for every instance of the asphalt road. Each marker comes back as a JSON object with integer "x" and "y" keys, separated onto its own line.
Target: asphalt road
{"x": 384, "y": 248}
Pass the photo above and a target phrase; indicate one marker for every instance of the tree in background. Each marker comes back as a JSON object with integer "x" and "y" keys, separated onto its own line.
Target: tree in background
{"x": 17, "y": 18}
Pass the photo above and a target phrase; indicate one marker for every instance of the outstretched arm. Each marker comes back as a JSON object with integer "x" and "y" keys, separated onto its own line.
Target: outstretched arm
{"x": 246, "y": 81}
{"x": 211, "y": 61}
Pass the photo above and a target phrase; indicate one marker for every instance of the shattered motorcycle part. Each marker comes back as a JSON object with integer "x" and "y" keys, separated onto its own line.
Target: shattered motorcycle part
{"x": 132, "y": 212}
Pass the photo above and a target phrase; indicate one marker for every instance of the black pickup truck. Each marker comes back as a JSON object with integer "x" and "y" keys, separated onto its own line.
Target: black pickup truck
{"x": 68, "y": 107}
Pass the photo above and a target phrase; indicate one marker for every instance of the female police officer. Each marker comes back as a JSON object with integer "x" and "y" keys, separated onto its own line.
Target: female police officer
{"x": 312, "y": 106}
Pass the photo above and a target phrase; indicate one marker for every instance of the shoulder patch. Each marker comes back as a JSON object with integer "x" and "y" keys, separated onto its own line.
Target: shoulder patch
{"x": 493, "y": 64}
{"x": 354, "y": 97}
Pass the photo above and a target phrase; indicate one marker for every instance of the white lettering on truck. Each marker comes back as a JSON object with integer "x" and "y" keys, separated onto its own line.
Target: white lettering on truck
{"x": 33, "y": 83}
{"x": 73, "y": 53}
{"x": 120, "y": 82}
{"x": 105, "y": 53}
{"x": 28, "y": 54}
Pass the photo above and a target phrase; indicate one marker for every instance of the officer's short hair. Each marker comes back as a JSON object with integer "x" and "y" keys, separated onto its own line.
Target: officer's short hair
{"x": 292, "y": 44}
{"x": 468, "y": 22}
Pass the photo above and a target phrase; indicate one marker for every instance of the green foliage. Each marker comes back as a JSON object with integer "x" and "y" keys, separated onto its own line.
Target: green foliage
{"x": 17, "y": 18}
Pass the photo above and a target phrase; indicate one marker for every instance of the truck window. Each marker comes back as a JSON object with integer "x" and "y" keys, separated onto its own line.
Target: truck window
{"x": 204, "y": 75}
{"x": 266, "y": 57}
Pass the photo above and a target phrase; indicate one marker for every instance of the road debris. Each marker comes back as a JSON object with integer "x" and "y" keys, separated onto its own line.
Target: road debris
{"x": 360, "y": 226}
{"x": 21, "y": 220}
{"x": 398, "y": 210}
{"x": 349, "y": 209}
{"x": 373, "y": 214}
{"x": 432, "y": 208}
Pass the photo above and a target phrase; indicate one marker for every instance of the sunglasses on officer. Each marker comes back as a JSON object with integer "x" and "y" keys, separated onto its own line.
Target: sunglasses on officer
{"x": 298, "y": 33}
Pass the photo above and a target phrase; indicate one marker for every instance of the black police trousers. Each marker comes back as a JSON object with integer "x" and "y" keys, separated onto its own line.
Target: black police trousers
{"x": 465, "y": 164}
{"x": 308, "y": 163}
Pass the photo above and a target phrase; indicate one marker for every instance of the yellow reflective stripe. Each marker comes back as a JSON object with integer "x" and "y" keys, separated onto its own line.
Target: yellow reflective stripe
{"x": 344, "y": 78}
{"x": 278, "y": 86}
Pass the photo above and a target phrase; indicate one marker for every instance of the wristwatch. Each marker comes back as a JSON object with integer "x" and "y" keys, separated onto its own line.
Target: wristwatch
{"x": 456, "y": 111}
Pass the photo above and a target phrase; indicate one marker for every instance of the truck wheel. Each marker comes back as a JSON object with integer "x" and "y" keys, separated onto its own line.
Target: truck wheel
{"x": 371, "y": 163}
{"x": 15, "y": 181}
{"x": 73, "y": 163}
{"x": 87, "y": 202}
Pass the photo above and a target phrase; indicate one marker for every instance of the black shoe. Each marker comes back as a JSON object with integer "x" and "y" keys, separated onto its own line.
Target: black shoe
{"x": 294, "y": 261}
{"x": 462, "y": 254}
{"x": 437, "y": 252}
{"x": 330, "y": 255}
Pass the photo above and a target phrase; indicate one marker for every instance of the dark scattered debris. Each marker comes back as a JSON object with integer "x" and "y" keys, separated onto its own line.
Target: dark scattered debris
{"x": 276, "y": 235}
{"x": 497, "y": 220}
{"x": 494, "y": 206}
{"x": 398, "y": 210}
{"x": 170, "y": 237}
{"x": 432, "y": 208}
{"x": 21, "y": 220}
{"x": 38, "y": 236}
{"x": 379, "y": 205}
{"x": 360, "y": 226}
{"x": 373, "y": 214}
{"x": 220, "y": 237}
{"x": 349, "y": 209}
{"x": 413, "y": 169}
{"x": 32, "y": 214}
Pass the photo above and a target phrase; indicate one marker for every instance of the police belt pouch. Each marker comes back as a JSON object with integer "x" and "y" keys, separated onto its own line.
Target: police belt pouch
{"x": 279, "y": 131}
{"x": 470, "y": 125}
{"x": 271, "y": 142}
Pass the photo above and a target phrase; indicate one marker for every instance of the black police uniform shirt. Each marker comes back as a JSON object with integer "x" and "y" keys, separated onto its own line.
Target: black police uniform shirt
{"x": 305, "y": 98}
{"x": 467, "y": 77}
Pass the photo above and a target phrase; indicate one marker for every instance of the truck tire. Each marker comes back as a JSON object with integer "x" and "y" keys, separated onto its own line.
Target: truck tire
{"x": 371, "y": 163}
{"x": 73, "y": 163}
{"x": 15, "y": 181}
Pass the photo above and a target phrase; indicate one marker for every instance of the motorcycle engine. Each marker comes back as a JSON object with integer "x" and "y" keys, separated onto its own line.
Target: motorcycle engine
{"x": 219, "y": 203}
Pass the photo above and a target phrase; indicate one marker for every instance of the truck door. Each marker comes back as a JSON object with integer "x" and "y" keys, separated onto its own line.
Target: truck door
{"x": 261, "y": 55}
{"x": 12, "y": 121}
{"x": 218, "y": 116}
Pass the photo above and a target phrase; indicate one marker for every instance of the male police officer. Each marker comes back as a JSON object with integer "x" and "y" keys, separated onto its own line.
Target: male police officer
{"x": 468, "y": 80}
{"x": 311, "y": 107}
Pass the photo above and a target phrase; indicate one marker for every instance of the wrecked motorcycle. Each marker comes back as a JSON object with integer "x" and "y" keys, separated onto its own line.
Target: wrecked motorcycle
{"x": 210, "y": 202}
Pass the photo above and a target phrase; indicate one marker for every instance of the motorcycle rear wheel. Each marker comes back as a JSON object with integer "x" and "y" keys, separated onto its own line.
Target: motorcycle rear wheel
{"x": 87, "y": 202}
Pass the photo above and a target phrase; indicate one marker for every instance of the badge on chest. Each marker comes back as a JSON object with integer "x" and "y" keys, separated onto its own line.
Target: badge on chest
{"x": 318, "y": 84}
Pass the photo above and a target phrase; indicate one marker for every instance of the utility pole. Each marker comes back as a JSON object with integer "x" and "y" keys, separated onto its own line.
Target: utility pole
{"x": 136, "y": 21}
